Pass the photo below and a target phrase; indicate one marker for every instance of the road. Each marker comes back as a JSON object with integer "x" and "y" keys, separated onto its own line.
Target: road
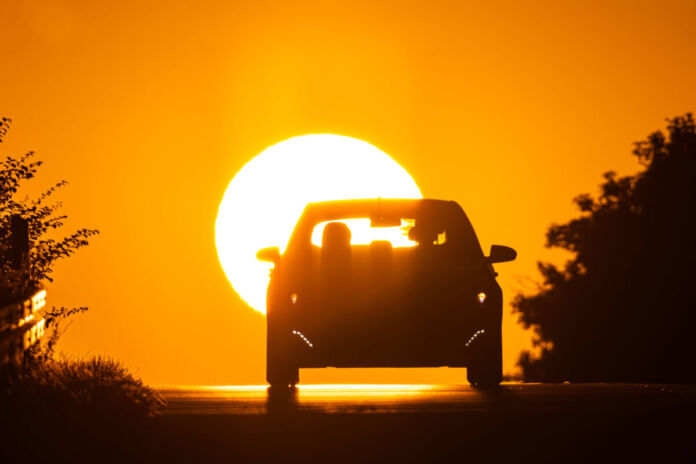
{"x": 428, "y": 423}
{"x": 350, "y": 399}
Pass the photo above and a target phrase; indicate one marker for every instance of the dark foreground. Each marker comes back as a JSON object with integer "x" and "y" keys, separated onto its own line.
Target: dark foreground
{"x": 387, "y": 423}
{"x": 391, "y": 423}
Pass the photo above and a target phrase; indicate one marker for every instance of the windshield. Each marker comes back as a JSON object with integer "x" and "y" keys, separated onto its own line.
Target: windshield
{"x": 363, "y": 232}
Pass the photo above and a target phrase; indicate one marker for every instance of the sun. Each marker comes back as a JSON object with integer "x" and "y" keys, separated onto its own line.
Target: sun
{"x": 266, "y": 197}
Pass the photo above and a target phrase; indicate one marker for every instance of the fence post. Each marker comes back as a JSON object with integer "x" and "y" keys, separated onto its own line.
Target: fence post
{"x": 19, "y": 241}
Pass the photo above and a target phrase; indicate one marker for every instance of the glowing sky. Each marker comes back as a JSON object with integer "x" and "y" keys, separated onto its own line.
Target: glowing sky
{"x": 149, "y": 109}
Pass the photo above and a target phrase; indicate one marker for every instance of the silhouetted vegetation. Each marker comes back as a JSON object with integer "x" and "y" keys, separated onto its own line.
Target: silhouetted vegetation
{"x": 84, "y": 391}
{"x": 622, "y": 309}
{"x": 43, "y": 219}
{"x": 56, "y": 407}
{"x": 82, "y": 410}
{"x": 18, "y": 280}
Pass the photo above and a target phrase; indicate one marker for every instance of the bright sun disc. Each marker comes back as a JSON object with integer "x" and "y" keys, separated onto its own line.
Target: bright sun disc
{"x": 267, "y": 196}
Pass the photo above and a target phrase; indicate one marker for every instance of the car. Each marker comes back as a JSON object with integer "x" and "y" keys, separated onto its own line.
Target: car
{"x": 384, "y": 283}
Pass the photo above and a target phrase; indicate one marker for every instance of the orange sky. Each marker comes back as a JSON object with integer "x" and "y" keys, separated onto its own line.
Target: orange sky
{"x": 149, "y": 111}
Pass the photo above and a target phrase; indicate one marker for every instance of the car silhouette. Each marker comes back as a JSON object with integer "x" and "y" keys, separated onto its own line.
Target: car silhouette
{"x": 342, "y": 295}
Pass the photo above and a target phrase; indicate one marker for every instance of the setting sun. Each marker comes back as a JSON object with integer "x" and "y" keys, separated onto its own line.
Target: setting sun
{"x": 267, "y": 196}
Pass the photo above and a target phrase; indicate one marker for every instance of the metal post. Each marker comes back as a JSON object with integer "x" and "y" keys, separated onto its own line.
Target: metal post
{"x": 19, "y": 241}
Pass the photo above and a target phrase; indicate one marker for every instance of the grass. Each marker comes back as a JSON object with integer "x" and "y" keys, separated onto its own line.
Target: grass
{"x": 78, "y": 409}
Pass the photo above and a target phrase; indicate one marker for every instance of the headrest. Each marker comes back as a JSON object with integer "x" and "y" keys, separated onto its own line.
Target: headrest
{"x": 335, "y": 235}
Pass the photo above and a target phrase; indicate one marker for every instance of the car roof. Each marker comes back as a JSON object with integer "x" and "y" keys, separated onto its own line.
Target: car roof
{"x": 377, "y": 207}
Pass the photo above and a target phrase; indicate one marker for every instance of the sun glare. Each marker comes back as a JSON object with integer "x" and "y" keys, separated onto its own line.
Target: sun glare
{"x": 267, "y": 196}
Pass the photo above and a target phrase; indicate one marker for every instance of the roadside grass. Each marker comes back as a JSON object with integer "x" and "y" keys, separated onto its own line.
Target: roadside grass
{"x": 92, "y": 387}
{"x": 84, "y": 409}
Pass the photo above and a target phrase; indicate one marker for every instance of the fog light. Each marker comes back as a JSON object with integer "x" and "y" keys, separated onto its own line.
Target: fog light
{"x": 481, "y": 297}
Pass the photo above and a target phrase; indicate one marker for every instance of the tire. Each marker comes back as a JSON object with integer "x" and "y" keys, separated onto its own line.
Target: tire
{"x": 281, "y": 368}
{"x": 282, "y": 376}
{"x": 486, "y": 369}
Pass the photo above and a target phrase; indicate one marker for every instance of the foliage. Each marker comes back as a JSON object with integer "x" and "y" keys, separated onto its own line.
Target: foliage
{"x": 622, "y": 309}
{"x": 75, "y": 410}
{"x": 72, "y": 407}
{"x": 95, "y": 387}
{"x": 43, "y": 219}
{"x": 44, "y": 352}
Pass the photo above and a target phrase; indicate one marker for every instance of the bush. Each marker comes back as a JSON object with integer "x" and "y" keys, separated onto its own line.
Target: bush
{"x": 43, "y": 219}
{"x": 79, "y": 409}
{"x": 58, "y": 409}
{"x": 84, "y": 389}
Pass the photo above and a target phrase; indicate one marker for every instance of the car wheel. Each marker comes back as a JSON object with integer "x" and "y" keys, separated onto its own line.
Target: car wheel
{"x": 279, "y": 375}
{"x": 486, "y": 369}
{"x": 281, "y": 368}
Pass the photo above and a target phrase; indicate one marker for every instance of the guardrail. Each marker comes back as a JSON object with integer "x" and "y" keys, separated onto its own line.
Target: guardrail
{"x": 21, "y": 325}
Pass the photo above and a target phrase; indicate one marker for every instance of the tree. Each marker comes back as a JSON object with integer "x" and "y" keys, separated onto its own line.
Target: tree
{"x": 622, "y": 308}
{"x": 43, "y": 221}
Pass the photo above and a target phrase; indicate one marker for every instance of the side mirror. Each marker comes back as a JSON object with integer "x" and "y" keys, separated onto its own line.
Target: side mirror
{"x": 501, "y": 254}
{"x": 270, "y": 254}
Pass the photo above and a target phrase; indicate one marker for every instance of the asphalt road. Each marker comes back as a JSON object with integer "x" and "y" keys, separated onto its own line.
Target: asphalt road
{"x": 395, "y": 399}
{"x": 428, "y": 423}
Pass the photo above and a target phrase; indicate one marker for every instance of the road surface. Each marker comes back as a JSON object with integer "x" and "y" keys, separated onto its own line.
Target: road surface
{"x": 428, "y": 423}
{"x": 462, "y": 399}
